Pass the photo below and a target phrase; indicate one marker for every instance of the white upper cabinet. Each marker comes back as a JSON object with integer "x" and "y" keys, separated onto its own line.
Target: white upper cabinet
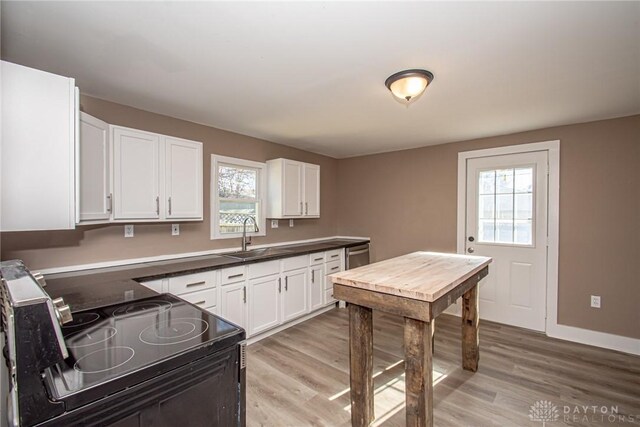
{"x": 311, "y": 190}
{"x": 136, "y": 162}
{"x": 294, "y": 189}
{"x": 37, "y": 173}
{"x": 94, "y": 173}
{"x": 183, "y": 178}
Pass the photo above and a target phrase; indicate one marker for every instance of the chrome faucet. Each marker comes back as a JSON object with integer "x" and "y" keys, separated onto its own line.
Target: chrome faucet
{"x": 247, "y": 241}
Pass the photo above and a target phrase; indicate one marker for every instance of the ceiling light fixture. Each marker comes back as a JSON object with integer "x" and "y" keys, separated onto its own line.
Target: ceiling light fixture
{"x": 408, "y": 85}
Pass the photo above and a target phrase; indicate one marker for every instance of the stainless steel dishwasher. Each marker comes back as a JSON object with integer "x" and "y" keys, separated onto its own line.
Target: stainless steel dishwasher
{"x": 357, "y": 256}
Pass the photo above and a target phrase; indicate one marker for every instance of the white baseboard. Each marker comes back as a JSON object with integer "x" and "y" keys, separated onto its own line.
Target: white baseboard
{"x": 579, "y": 335}
{"x": 594, "y": 338}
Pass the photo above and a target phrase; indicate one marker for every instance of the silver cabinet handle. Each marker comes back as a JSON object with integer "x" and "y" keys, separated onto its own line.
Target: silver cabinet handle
{"x": 300, "y": 208}
{"x": 200, "y": 302}
{"x": 279, "y": 285}
{"x": 157, "y": 205}
{"x": 169, "y": 205}
{"x": 470, "y": 250}
{"x": 335, "y": 256}
{"x": 244, "y": 294}
{"x": 110, "y": 202}
{"x": 313, "y": 276}
{"x": 286, "y": 283}
{"x": 195, "y": 284}
{"x": 233, "y": 276}
{"x": 334, "y": 268}
{"x": 317, "y": 259}
{"x": 306, "y": 208}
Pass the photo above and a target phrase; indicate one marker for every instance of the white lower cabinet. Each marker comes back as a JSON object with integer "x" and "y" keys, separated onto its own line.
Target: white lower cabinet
{"x": 316, "y": 287}
{"x": 264, "y": 303}
{"x": 294, "y": 300}
{"x": 233, "y": 303}
{"x": 262, "y": 295}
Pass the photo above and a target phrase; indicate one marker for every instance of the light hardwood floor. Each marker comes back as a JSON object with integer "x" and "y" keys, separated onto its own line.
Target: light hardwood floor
{"x": 300, "y": 377}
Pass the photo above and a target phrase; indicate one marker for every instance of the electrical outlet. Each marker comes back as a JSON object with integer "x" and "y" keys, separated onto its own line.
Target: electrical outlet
{"x": 175, "y": 229}
{"x": 128, "y": 230}
{"x": 274, "y": 223}
{"x": 595, "y": 301}
{"x": 290, "y": 223}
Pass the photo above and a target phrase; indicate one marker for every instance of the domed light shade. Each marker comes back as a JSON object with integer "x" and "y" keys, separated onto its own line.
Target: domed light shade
{"x": 408, "y": 85}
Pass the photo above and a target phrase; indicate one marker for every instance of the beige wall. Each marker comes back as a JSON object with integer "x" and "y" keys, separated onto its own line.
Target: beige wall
{"x": 406, "y": 201}
{"x": 89, "y": 244}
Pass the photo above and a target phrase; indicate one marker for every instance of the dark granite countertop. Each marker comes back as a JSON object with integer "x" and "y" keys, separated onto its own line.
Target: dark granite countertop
{"x": 88, "y": 289}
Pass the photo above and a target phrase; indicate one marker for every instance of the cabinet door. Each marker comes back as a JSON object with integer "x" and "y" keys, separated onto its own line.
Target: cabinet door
{"x": 294, "y": 294}
{"x": 233, "y": 303}
{"x": 94, "y": 179}
{"x": 292, "y": 188}
{"x": 38, "y": 150}
{"x": 183, "y": 178}
{"x": 316, "y": 287}
{"x": 135, "y": 169}
{"x": 264, "y": 303}
{"x": 311, "y": 190}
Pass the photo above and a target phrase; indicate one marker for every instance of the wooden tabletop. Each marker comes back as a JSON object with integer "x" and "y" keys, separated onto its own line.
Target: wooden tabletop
{"x": 424, "y": 276}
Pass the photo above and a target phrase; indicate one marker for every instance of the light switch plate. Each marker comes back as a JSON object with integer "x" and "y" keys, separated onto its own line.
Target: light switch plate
{"x": 595, "y": 301}
{"x": 274, "y": 223}
{"x": 128, "y": 230}
{"x": 175, "y": 229}
{"x": 291, "y": 223}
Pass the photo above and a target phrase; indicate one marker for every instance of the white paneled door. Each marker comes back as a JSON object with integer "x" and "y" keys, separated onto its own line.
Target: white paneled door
{"x": 506, "y": 219}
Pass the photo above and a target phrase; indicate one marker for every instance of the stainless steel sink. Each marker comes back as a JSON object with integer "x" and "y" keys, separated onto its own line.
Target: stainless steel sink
{"x": 256, "y": 253}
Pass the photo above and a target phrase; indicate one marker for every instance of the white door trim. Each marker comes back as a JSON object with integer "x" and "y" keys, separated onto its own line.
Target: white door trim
{"x": 553, "y": 329}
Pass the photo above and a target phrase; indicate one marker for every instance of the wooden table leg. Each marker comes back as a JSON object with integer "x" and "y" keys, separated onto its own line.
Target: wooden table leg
{"x": 470, "y": 323}
{"x": 418, "y": 365}
{"x": 361, "y": 364}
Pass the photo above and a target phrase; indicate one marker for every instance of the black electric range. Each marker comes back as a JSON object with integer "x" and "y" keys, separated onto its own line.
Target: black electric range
{"x": 115, "y": 347}
{"x": 158, "y": 361}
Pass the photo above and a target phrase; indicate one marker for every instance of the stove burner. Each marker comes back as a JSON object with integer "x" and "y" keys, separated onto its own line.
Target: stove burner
{"x": 88, "y": 338}
{"x": 104, "y": 360}
{"x": 174, "y": 332}
{"x": 143, "y": 308}
{"x": 82, "y": 319}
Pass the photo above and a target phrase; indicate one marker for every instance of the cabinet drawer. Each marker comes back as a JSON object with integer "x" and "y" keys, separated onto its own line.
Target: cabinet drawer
{"x": 232, "y": 275}
{"x": 333, "y": 255}
{"x": 317, "y": 258}
{"x": 262, "y": 269}
{"x": 192, "y": 282}
{"x": 328, "y": 296}
{"x": 294, "y": 263}
{"x": 206, "y": 298}
{"x": 330, "y": 268}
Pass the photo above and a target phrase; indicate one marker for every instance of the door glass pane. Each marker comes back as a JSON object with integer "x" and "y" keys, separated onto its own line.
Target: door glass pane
{"x": 504, "y": 231}
{"x": 486, "y": 230}
{"x": 487, "y": 182}
{"x": 237, "y": 183}
{"x": 505, "y": 206}
{"x": 486, "y": 208}
{"x": 504, "y": 181}
{"x": 523, "y": 208}
{"x": 523, "y": 232}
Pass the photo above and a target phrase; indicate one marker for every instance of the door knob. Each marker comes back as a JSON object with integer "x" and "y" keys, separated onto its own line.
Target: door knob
{"x": 470, "y": 250}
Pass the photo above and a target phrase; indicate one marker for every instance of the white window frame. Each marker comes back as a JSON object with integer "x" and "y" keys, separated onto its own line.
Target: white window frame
{"x": 216, "y": 160}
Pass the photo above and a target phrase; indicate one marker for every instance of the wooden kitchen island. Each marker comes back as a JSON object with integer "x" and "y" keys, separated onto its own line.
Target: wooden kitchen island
{"x": 418, "y": 286}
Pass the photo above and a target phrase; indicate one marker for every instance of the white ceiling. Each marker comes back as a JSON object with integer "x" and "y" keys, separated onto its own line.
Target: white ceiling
{"x": 311, "y": 75}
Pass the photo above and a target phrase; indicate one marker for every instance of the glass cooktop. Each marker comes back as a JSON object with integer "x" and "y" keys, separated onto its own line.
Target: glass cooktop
{"x": 117, "y": 343}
